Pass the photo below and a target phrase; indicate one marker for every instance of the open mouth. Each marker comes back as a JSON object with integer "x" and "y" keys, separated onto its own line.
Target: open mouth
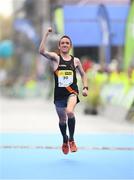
{"x": 65, "y": 48}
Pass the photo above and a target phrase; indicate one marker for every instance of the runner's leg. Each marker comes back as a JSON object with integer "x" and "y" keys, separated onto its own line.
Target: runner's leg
{"x": 61, "y": 111}
{"x": 70, "y": 113}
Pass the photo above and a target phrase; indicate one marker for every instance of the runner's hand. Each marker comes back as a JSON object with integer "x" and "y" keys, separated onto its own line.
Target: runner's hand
{"x": 49, "y": 30}
{"x": 84, "y": 92}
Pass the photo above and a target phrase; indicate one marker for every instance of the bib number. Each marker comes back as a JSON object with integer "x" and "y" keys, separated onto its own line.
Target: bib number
{"x": 65, "y": 78}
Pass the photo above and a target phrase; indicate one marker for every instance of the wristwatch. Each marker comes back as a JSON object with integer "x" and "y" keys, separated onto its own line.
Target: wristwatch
{"x": 85, "y": 87}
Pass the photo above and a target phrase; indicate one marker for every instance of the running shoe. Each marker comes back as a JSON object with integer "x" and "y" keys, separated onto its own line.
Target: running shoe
{"x": 73, "y": 147}
{"x": 65, "y": 148}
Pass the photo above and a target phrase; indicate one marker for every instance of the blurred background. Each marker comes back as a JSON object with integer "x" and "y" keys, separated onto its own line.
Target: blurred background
{"x": 102, "y": 32}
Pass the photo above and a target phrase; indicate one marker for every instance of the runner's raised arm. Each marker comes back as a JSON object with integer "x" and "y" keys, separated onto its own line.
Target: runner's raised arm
{"x": 42, "y": 47}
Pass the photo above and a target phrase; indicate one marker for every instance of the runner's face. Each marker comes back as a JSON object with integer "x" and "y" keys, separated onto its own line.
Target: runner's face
{"x": 65, "y": 45}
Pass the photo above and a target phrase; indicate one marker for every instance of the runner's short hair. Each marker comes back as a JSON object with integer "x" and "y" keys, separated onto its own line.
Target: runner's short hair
{"x": 65, "y": 36}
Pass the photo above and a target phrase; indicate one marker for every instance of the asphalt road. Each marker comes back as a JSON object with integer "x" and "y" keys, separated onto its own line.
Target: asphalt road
{"x": 39, "y": 116}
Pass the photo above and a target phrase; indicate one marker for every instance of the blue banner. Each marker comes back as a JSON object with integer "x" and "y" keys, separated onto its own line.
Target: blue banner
{"x": 103, "y": 18}
{"x": 25, "y": 26}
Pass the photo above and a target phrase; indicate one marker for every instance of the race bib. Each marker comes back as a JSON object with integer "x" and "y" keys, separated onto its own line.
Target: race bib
{"x": 65, "y": 78}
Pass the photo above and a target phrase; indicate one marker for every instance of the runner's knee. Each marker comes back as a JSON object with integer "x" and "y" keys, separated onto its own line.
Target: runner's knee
{"x": 70, "y": 113}
{"x": 62, "y": 120}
